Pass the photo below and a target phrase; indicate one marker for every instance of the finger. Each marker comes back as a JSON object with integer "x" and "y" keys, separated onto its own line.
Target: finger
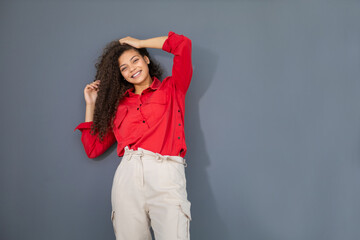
{"x": 90, "y": 86}
{"x": 123, "y": 41}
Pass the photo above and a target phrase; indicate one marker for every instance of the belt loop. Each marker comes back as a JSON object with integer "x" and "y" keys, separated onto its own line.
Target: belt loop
{"x": 127, "y": 152}
{"x": 158, "y": 157}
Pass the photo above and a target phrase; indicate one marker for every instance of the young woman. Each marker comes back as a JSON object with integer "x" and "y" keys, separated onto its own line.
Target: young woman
{"x": 128, "y": 104}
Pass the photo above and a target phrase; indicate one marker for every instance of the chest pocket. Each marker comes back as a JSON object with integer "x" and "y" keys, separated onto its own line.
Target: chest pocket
{"x": 158, "y": 97}
{"x": 156, "y": 106}
{"x": 120, "y": 115}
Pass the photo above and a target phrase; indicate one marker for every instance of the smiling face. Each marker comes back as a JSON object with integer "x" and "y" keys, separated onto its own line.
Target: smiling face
{"x": 133, "y": 67}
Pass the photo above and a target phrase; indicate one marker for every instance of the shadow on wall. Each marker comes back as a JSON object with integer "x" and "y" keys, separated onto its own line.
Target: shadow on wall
{"x": 206, "y": 223}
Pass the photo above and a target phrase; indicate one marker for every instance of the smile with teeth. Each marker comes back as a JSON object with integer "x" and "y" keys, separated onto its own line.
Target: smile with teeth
{"x": 136, "y": 74}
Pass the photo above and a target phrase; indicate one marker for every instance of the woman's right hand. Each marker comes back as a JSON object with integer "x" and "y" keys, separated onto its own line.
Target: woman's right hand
{"x": 90, "y": 92}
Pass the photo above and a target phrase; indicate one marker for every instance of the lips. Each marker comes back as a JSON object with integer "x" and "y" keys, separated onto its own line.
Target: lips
{"x": 136, "y": 74}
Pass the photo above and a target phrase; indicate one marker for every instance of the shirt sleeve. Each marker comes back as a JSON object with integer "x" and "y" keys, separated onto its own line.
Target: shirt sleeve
{"x": 182, "y": 70}
{"x": 92, "y": 145}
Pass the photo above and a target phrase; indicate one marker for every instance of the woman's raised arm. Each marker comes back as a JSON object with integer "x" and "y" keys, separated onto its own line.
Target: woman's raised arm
{"x": 174, "y": 43}
{"x": 181, "y": 47}
{"x": 156, "y": 42}
{"x": 92, "y": 145}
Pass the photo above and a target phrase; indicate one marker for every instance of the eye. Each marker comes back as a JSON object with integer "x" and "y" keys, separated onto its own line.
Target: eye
{"x": 123, "y": 69}
{"x": 136, "y": 60}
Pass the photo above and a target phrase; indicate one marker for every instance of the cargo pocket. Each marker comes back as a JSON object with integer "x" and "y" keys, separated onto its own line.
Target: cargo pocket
{"x": 184, "y": 220}
{"x": 113, "y": 220}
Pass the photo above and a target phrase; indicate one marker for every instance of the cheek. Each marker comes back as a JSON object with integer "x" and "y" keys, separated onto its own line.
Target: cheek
{"x": 145, "y": 67}
{"x": 124, "y": 74}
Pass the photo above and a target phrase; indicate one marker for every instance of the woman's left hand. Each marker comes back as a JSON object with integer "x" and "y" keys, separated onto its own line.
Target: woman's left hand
{"x": 131, "y": 41}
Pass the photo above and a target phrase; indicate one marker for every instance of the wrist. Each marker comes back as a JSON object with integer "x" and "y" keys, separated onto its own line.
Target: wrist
{"x": 141, "y": 43}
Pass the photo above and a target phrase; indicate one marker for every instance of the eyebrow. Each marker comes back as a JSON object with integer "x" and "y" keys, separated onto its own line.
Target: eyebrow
{"x": 130, "y": 59}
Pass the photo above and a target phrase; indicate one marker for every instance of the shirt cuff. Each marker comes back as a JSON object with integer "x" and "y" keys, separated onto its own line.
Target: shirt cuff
{"x": 172, "y": 41}
{"x": 84, "y": 125}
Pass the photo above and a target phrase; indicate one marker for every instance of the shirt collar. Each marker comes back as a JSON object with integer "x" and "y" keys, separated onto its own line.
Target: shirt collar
{"x": 154, "y": 85}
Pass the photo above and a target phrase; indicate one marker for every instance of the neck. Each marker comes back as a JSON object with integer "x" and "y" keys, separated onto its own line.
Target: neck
{"x": 140, "y": 88}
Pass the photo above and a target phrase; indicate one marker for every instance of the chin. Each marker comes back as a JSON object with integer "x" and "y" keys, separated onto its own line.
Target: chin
{"x": 139, "y": 80}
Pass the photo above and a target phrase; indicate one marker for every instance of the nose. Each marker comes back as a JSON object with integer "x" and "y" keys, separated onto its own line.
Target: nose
{"x": 132, "y": 68}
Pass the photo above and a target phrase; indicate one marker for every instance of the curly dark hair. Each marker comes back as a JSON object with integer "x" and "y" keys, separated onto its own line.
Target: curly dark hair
{"x": 113, "y": 85}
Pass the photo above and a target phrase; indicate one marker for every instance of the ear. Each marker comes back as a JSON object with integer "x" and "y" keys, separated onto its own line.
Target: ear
{"x": 147, "y": 60}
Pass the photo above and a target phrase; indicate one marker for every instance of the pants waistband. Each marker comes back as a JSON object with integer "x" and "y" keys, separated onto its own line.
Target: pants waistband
{"x": 143, "y": 152}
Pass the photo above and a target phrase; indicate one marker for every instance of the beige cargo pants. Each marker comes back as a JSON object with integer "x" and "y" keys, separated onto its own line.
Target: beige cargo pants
{"x": 149, "y": 189}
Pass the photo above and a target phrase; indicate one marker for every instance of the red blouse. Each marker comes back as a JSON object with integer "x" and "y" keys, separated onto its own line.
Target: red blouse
{"x": 154, "y": 119}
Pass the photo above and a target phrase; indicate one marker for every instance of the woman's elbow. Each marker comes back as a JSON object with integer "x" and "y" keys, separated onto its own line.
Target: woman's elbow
{"x": 92, "y": 153}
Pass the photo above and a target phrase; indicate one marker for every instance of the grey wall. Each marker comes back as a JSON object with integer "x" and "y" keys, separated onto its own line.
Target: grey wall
{"x": 272, "y": 116}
